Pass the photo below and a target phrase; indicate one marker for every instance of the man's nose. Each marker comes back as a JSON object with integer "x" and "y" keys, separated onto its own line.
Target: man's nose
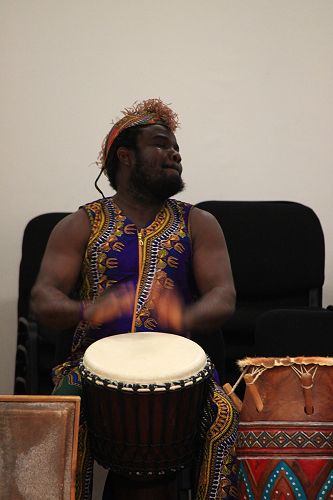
{"x": 176, "y": 155}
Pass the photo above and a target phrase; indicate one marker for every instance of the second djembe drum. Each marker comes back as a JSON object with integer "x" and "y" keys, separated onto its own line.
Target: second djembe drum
{"x": 285, "y": 443}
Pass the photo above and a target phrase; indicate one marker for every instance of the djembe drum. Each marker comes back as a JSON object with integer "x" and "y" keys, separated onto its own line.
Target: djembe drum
{"x": 145, "y": 394}
{"x": 285, "y": 443}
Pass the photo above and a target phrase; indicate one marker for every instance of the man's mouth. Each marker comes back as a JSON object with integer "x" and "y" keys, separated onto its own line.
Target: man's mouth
{"x": 176, "y": 167}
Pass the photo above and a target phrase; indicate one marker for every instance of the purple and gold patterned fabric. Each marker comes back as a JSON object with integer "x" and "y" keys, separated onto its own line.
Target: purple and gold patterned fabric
{"x": 157, "y": 256}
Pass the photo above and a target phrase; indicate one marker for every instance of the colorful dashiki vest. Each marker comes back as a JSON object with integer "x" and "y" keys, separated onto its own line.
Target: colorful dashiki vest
{"x": 157, "y": 255}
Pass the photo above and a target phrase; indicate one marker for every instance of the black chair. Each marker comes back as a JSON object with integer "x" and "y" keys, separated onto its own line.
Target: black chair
{"x": 38, "y": 349}
{"x": 277, "y": 257}
{"x": 294, "y": 332}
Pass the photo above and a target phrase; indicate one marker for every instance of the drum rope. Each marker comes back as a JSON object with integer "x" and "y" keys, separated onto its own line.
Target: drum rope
{"x": 303, "y": 371}
{"x": 238, "y": 381}
{"x": 256, "y": 372}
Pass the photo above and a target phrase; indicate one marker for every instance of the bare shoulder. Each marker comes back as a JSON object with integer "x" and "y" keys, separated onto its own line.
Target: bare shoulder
{"x": 204, "y": 224}
{"x": 74, "y": 228}
{"x": 63, "y": 255}
{"x": 201, "y": 216}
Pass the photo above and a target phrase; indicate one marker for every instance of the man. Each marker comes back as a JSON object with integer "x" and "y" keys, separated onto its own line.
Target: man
{"x": 145, "y": 262}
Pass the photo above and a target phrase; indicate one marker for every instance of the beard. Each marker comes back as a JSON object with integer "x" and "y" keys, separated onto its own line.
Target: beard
{"x": 156, "y": 188}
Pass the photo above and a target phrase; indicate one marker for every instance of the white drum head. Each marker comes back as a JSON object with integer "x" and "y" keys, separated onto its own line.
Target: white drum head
{"x": 144, "y": 358}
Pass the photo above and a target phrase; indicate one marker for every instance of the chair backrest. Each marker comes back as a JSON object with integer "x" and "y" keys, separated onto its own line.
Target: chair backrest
{"x": 35, "y": 237}
{"x": 294, "y": 332}
{"x": 276, "y": 250}
{"x": 38, "y": 349}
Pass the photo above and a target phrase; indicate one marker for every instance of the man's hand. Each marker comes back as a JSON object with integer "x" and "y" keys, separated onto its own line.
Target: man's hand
{"x": 169, "y": 308}
{"x": 114, "y": 303}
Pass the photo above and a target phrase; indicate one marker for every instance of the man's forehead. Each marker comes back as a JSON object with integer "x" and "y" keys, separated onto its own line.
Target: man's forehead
{"x": 151, "y": 131}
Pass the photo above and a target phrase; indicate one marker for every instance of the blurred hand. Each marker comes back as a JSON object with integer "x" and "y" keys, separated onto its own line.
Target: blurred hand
{"x": 169, "y": 308}
{"x": 115, "y": 302}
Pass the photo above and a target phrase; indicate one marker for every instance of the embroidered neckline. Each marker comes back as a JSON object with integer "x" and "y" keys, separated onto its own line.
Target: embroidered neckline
{"x": 153, "y": 226}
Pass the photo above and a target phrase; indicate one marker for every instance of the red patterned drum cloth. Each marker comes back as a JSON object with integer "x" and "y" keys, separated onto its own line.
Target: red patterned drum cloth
{"x": 285, "y": 442}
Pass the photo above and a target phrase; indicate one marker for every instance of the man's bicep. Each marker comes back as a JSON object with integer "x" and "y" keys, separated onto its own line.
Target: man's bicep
{"x": 62, "y": 260}
{"x": 59, "y": 270}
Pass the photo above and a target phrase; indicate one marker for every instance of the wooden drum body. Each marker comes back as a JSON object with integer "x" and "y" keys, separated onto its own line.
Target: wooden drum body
{"x": 145, "y": 394}
{"x": 285, "y": 443}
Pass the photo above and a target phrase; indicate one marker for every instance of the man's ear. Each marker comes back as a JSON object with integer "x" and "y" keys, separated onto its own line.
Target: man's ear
{"x": 124, "y": 155}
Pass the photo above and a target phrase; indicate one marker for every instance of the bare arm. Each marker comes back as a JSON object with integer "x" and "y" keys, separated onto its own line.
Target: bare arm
{"x": 60, "y": 269}
{"x": 59, "y": 272}
{"x": 212, "y": 273}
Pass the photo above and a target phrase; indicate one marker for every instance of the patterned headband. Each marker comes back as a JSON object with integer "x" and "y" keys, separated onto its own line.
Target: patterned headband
{"x": 147, "y": 112}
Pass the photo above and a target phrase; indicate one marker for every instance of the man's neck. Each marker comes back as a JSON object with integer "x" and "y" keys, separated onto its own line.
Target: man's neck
{"x": 140, "y": 210}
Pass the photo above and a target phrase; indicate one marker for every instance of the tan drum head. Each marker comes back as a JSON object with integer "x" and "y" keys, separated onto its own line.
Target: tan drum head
{"x": 145, "y": 358}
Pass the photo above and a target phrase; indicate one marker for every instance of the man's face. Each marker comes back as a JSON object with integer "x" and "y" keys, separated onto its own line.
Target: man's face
{"x": 156, "y": 172}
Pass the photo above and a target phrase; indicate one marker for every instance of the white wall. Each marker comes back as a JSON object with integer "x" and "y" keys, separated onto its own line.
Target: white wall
{"x": 252, "y": 82}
